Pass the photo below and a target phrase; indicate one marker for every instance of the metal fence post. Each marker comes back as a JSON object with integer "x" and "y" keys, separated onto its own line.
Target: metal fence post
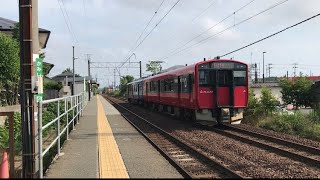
{"x": 66, "y": 108}
{"x": 75, "y": 107}
{"x": 58, "y": 128}
{"x": 78, "y": 109}
{"x": 40, "y": 139}
{"x": 73, "y": 121}
{"x": 81, "y": 105}
{"x": 75, "y": 114}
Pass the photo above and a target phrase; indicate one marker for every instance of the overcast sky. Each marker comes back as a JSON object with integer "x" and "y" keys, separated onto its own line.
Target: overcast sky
{"x": 108, "y": 29}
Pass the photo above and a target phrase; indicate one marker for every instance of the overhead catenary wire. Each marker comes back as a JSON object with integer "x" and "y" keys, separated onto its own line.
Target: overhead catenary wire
{"x": 212, "y": 3}
{"x": 237, "y": 24}
{"x": 215, "y": 25}
{"x": 149, "y": 21}
{"x": 67, "y": 21}
{"x": 153, "y": 28}
{"x": 272, "y": 34}
{"x": 155, "y": 13}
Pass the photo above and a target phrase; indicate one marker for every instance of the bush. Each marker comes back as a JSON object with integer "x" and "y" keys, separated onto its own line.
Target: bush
{"x": 259, "y": 108}
{"x": 296, "y": 124}
{"x": 52, "y": 85}
{"x": 9, "y": 69}
{"x": 4, "y": 133}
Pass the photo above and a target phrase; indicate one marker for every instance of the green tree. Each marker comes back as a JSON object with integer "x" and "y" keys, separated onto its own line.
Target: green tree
{"x": 268, "y": 101}
{"x": 16, "y": 32}
{"x": 52, "y": 85}
{"x": 67, "y": 70}
{"x": 70, "y": 71}
{"x": 154, "y": 66}
{"x": 124, "y": 81}
{"x": 9, "y": 69}
{"x": 297, "y": 92}
{"x": 253, "y": 104}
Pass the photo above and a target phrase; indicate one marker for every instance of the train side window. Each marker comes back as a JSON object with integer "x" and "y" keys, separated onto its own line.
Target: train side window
{"x": 190, "y": 79}
{"x": 175, "y": 84}
{"x": 185, "y": 83}
{"x": 170, "y": 83}
{"x": 179, "y": 84}
{"x": 153, "y": 86}
{"x": 204, "y": 78}
{"x": 162, "y": 86}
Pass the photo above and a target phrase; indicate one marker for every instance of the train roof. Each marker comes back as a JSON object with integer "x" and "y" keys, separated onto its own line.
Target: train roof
{"x": 180, "y": 68}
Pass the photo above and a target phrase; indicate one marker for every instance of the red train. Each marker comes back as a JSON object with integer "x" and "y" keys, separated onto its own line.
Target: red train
{"x": 214, "y": 90}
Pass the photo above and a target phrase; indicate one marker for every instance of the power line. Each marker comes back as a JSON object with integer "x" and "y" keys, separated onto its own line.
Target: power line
{"x": 271, "y": 7}
{"x": 157, "y": 24}
{"x": 155, "y": 13}
{"x": 154, "y": 27}
{"x": 149, "y": 21}
{"x": 232, "y": 14}
{"x": 204, "y": 10}
{"x": 272, "y": 35}
{"x": 67, "y": 20}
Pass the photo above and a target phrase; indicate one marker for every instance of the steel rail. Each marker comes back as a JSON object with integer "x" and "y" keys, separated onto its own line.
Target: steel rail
{"x": 270, "y": 148}
{"x": 180, "y": 143}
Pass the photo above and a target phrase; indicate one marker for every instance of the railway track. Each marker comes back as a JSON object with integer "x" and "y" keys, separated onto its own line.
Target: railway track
{"x": 306, "y": 154}
{"x": 190, "y": 162}
{"x": 295, "y": 151}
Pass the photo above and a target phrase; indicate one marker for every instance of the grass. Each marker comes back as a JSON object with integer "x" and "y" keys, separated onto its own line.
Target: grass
{"x": 307, "y": 126}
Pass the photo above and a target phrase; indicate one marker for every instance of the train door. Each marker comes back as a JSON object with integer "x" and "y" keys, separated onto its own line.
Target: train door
{"x": 138, "y": 91}
{"x": 190, "y": 79}
{"x": 158, "y": 88}
{"x": 240, "y": 88}
{"x": 179, "y": 90}
{"x": 224, "y": 88}
{"x": 147, "y": 89}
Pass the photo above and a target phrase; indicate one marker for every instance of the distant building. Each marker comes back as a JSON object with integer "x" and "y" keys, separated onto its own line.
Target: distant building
{"x": 7, "y": 25}
{"x": 275, "y": 90}
{"x": 274, "y": 85}
{"x": 66, "y": 78}
{"x": 312, "y": 78}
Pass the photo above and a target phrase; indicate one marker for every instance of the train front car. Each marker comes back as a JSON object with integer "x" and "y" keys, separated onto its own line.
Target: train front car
{"x": 222, "y": 87}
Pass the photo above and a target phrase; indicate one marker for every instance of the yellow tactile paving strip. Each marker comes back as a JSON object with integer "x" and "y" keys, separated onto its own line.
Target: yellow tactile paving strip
{"x": 111, "y": 164}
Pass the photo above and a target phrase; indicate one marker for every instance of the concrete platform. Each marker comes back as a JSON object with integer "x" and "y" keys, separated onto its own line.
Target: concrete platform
{"x": 105, "y": 145}
{"x": 80, "y": 159}
{"x": 141, "y": 159}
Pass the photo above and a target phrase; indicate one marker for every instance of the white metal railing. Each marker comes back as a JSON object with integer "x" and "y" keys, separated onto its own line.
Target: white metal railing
{"x": 77, "y": 104}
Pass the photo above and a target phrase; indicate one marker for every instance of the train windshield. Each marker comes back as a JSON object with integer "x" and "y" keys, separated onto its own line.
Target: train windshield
{"x": 222, "y": 74}
{"x": 240, "y": 78}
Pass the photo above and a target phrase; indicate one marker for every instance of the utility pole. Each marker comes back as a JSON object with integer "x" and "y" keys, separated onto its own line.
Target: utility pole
{"x": 140, "y": 69}
{"x": 114, "y": 80}
{"x": 39, "y": 90}
{"x": 295, "y": 68}
{"x": 255, "y": 73}
{"x": 263, "y": 67}
{"x": 73, "y": 81}
{"x": 26, "y": 91}
{"x": 89, "y": 87}
{"x": 269, "y": 68}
